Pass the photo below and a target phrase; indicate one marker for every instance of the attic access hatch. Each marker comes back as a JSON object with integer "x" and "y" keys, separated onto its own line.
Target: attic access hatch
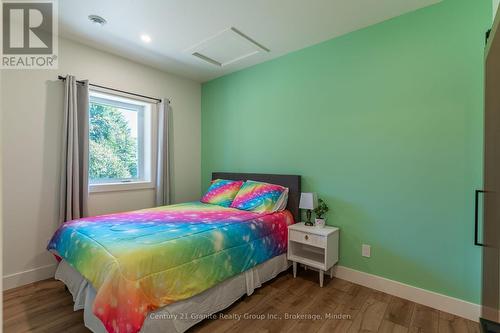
{"x": 227, "y": 47}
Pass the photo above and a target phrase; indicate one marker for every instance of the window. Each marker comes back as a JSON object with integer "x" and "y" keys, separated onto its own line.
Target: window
{"x": 121, "y": 138}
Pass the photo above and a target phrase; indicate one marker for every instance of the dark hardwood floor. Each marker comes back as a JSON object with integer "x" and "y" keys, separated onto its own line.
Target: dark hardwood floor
{"x": 342, "y": 306}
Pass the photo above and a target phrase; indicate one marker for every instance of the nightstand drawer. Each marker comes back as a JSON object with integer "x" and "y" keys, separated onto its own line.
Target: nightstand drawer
{"x": 307, "y": 238}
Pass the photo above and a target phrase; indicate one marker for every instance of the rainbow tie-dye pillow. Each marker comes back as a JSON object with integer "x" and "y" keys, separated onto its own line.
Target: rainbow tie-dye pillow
{"x": 261, "y": 197}
{"x": 222, "y": 192}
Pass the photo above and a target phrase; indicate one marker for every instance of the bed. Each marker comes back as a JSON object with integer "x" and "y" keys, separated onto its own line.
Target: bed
{"x": 167, "y": 268}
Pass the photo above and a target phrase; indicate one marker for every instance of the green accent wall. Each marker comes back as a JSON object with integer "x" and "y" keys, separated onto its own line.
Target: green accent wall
{"x": 385, "y": 124}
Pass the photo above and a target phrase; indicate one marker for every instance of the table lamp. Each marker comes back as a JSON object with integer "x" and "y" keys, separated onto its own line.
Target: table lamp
{"x": 308, "y": 201}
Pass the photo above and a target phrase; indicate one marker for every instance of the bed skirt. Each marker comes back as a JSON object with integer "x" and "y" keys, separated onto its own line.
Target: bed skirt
{"x": 179, "y": 316}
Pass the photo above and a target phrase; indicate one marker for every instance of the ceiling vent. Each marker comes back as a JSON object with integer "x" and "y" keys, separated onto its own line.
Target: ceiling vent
{"x": 227, "y": 47}
{"x": 96, "y": 19}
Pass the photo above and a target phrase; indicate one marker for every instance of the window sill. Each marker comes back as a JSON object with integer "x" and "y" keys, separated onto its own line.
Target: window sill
{"x": 114, "y": 187}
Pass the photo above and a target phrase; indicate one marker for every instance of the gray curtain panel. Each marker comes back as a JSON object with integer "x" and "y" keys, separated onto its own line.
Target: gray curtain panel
{"x": 163, "y": 196}
{"x": 75, "y": 151}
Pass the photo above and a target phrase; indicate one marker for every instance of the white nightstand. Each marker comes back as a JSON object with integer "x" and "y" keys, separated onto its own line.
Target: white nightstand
{"x": 314, "y": 247}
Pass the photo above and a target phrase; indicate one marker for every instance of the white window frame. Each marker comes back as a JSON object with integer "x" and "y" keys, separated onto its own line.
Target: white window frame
{"x": 147, "y": 122}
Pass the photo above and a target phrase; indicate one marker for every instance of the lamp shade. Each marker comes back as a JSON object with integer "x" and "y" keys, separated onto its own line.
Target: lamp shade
{"x": 308, "y": 200}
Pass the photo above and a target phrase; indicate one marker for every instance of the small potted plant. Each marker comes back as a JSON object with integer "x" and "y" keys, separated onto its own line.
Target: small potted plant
{"x": 320, "y": 212}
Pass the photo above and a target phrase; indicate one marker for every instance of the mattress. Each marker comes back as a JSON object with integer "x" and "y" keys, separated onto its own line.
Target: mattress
{"x": 138, "y": 262}
{"x": 179, "y": 316}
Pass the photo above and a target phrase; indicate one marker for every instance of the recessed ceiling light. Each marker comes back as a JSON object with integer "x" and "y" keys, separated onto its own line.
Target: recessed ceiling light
{"x": 96, "y": 19}
{"x": 146, "y": 38}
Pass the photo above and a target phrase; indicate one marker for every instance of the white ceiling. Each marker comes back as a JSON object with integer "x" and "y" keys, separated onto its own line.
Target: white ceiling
{"x": 178, "y": 26}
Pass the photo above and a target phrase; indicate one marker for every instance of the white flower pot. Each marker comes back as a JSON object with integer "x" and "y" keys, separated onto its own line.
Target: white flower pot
{"x": 320, "y": 223}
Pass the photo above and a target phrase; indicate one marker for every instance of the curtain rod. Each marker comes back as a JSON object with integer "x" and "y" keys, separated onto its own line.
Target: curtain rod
{"x": 63, "y": 78}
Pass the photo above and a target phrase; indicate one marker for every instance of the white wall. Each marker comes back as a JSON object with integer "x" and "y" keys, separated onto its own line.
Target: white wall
{"x": 31, "y": 102}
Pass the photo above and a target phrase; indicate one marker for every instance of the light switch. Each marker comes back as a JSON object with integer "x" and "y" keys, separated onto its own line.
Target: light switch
{"x": 366, "y": 250}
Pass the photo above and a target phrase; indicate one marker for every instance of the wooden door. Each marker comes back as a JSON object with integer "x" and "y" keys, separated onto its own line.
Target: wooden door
{"x": 491, "y": 227}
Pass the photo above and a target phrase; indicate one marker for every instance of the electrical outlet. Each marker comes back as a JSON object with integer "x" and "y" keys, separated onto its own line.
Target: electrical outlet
{"x": 366, "y": 250}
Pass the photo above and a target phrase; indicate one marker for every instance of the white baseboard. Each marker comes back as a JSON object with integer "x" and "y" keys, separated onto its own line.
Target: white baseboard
{"x": 32, "y": 275}
{"x": 432, "y": 299}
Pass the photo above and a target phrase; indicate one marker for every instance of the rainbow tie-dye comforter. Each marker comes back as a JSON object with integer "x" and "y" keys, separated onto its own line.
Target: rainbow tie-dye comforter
{"x": 142, "y": 260}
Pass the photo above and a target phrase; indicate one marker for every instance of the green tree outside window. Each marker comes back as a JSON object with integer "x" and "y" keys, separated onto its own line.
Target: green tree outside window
{"x": 112, "y": 148}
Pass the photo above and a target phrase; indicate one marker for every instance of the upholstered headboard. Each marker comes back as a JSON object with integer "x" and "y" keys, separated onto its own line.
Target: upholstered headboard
{"x": 290, "y": 181}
